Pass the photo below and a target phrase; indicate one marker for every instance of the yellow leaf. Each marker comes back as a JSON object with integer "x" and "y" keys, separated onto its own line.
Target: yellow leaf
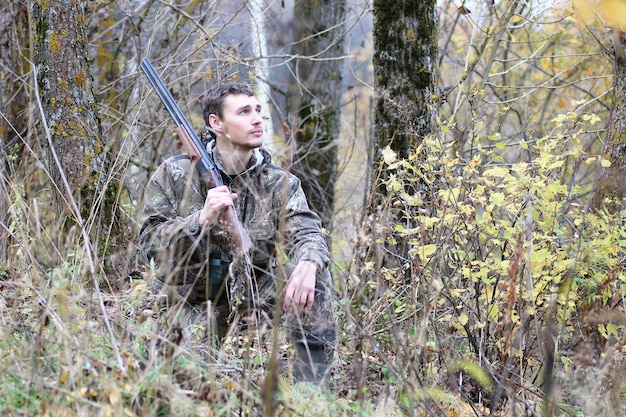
{"x": 605, "y": 163}
{"x": 412, "y": 200}
{"x": 591, "y": 118}
{"x": 114, "y": 397}
{"x": 523, "y": 144}
{"x": 560, "y": 118}
{"x": 555, "y": 165}
{"x": 591, "y": 160}
{"x": 584, "y": 10}
{"x": 611, "y": 329}
{"x": 428, "y": 221}
{"x": 450, "y": 196}
{"x": 424, "y": 252}
{"x": 463, "y": 319}
{"x": 498, "y": 172}
{"x": 406, "y": 232}
{"x": 614, "y": 12}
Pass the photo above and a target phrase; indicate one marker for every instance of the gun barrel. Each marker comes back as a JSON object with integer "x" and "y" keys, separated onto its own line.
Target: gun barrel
{"x": 164, "y": 95}
{"x": 206, "y": 166}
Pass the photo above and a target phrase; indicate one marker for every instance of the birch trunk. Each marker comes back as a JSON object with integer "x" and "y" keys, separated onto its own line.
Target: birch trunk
{"x": 261, "y": 71}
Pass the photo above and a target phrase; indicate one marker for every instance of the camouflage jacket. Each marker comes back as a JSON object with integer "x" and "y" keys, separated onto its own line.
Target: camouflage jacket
{"x": 271, "y": 206}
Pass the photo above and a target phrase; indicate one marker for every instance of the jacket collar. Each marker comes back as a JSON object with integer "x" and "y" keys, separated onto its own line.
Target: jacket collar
{"x": 260, "y": 157}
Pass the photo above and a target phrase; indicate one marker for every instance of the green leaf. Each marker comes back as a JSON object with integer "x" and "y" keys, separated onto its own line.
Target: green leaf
{"x": 497, "y": 199}
{"x": 474, "y": 370}
{"x": 523, "y": 144}
{"x": 555, "y": 165}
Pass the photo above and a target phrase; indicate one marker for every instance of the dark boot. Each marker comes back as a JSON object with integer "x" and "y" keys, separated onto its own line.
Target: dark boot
{"x": 312, "y": 364}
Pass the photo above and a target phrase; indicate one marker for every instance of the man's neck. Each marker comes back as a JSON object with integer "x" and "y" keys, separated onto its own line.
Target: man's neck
{"x": 234, "y": 160}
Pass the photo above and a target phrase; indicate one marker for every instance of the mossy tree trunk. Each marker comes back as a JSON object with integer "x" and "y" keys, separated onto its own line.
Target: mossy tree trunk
{"x": 77, "y": 156}
{"x": 405, "y": 53}
{"x": 611, "y": 181}
{"x": 315, "y": 99}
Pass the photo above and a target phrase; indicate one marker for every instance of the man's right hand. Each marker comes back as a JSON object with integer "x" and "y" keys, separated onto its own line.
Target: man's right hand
{"x": 217, "y": 199}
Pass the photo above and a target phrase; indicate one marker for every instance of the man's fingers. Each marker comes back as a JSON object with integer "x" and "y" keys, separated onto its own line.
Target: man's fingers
{"x": 288, "y": 298}
{"x": 298, "y": 301}
{"x": 305, "y": 300}
{"x": 217, "y": 199}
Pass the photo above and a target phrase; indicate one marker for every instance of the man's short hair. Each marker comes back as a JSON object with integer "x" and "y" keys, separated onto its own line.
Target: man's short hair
{"x": 215, "y": 96}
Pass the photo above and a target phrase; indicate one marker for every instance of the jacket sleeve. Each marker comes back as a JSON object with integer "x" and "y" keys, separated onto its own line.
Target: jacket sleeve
{"x": 304, "y": 237}
{"x": 173, "y": 240}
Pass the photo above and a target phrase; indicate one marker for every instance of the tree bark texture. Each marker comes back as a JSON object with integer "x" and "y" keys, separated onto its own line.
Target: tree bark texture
{"x": 70, "y": 112}
{"x": 315, "y": 96}
{"x": 68, "y": 102}
{"x": 611, "y": 181}
{"x": 405, "y": 55}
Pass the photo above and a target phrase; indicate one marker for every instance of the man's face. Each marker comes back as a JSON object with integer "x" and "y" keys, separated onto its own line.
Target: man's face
{"x": 242, "y": 124}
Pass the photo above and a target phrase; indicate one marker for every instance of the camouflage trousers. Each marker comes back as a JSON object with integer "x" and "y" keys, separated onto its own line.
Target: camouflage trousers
{"x": 201, "y": 325}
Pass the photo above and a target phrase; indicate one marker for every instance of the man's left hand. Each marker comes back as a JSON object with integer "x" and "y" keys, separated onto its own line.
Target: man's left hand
{"x": 300, "y": 289}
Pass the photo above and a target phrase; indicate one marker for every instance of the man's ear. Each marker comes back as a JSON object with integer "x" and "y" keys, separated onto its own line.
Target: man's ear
{"x": 216, "y": 123}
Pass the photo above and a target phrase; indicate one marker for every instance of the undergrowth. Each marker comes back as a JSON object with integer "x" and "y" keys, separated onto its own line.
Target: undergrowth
{"x": 510, "y": 302}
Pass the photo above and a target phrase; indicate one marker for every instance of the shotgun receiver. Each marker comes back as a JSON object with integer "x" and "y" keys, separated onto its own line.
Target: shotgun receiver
{"x": 198, "y": 154}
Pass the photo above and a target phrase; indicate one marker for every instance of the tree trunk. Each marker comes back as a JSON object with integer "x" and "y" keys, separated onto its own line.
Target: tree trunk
{"x": 405, "y": 53}
{"x": 611, "y": 181}
{"x": 314, "y": 99}
{"x": 72, "y": 119}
